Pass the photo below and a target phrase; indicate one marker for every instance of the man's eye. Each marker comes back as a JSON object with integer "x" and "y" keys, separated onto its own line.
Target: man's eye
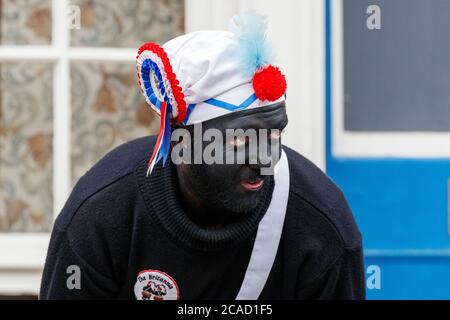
{"x": 239, "y": 141}
{"x": 275, "y": 134}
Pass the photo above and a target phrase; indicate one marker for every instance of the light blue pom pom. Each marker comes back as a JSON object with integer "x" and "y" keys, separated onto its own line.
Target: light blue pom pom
{"x": 250, "y": 31}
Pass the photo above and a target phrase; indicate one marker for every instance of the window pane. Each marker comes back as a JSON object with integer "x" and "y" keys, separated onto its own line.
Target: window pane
{"x": 26, "y": 133}
{"x": 397, "y": 78}
{"x": 108, "y": 109}
{"x": 25, "y": 22}
{"x": 118, "y": 23}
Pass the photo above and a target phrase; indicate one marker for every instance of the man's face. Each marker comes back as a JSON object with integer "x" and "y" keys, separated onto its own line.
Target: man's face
{"x": 236, "y": 187}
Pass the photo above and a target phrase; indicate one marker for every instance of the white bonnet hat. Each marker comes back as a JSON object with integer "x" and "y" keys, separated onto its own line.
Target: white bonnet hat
{"x": 206, "y": 74}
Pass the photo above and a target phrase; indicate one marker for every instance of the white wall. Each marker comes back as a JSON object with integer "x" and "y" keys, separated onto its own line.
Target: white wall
{"x": 297, "y": 32}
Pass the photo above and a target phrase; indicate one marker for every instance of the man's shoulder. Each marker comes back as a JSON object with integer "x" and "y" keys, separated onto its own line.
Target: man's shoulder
{"x": 327, "y": 203}
{"x": 110, "y": 178}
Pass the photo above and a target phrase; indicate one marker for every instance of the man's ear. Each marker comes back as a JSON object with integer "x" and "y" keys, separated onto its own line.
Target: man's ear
{"x": 180, "y": 139}
{"x": 175, "y": 126}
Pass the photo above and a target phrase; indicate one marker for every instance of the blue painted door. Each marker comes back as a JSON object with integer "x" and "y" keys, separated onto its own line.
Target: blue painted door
{"x": 399, "y": 197}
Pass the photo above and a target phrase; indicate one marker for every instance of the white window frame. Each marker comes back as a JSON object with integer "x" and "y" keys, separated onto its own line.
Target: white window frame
{"x": 372, "y": 144}
{"x": 22, "y": 255}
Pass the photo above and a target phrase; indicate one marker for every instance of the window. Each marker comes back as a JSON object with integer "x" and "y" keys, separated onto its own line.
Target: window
{"x": 390, "y": 85}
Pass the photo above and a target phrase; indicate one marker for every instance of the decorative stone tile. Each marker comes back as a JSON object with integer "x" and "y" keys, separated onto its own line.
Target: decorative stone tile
{"x": 108, "y": 109}
{"x": 26, "y": 133}
{"x": 25, "y": 22}
{"x": 118, "y": 23}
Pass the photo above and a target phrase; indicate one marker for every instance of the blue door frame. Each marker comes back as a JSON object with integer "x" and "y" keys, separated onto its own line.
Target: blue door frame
{"x": 400, "y": 206}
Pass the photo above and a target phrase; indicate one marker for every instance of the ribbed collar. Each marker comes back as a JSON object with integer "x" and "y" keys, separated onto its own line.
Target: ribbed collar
{"x": 161, "y": 196}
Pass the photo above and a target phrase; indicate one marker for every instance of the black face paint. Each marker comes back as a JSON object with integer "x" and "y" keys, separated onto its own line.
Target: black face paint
{"x": 219, "y": 193}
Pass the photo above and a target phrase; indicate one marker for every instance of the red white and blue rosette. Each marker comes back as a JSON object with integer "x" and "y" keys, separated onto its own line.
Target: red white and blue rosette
{"x": 162, "y": 92}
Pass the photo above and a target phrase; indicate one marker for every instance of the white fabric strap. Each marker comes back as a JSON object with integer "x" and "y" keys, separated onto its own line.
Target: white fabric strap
{"x": 268, "y": 236}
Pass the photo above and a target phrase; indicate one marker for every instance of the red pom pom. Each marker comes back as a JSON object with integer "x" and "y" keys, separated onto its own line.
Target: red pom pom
{"x": 269, "y": 83}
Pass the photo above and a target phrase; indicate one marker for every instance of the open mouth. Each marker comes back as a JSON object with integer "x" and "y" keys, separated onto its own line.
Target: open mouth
{"x": 252, "y": 185}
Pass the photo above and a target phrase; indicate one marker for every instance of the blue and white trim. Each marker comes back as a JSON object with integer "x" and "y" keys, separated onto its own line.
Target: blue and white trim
{"x": 236, "y": 99}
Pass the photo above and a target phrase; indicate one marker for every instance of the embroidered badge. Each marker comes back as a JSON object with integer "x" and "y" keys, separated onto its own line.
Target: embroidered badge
{"x": 155, "y": 285}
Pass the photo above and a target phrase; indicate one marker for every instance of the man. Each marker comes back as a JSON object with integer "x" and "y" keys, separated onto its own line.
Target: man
{"x": 220, "y": 210}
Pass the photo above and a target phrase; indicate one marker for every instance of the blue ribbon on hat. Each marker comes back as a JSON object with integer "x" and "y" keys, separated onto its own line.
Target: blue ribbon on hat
{"x": 232, "y": 107}
{"x": 163, "y": 142}
{"x": 222, "y": 104}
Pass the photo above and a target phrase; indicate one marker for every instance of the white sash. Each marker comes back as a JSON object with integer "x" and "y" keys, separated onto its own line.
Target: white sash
{"x": 268, "y": 235}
